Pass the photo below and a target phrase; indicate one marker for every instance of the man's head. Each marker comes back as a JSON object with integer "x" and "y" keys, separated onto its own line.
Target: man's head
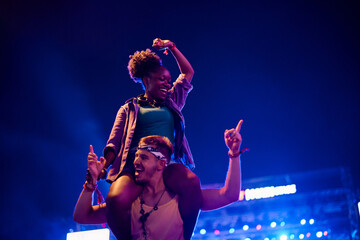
{"x": 153, "y": 154}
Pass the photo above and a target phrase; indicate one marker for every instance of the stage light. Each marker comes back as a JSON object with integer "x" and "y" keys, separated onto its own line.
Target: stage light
{"x": 301, "y": 236}
{"x": 282, "y": 224}
{"x": 246, "y": 227}
{"x": 268, "y": 192}
{"x": 283, "y": 237}
{"x": 266, "y": 238}
{"x": 217, "y": 232}
{"x": 292, "y": 236}
{"x": 202, "y": 231}
{"x": 258, "y": 227}
{"x": 326, "y": 233}
{"x": 247, "y": 239}
{"x": 308, "y": 234}
{"x": 359, "y": 208}
{"x": 319, "y": 234}
{"x": 273, "y": 224}
{"x": 98, "y": 234}
{"x": 303, "y": 221}
{"x": 311, "y": 221}
{"x": 231, "y": 230}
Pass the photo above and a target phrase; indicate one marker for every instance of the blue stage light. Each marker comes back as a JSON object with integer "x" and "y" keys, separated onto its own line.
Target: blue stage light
{"x": 231, "y": 230}
{"x": 246, "y": 227}
{"x": 202, "y": 231}
{"x": 292, "y": 236}
{"x": 311, "y": 221}
{"x": 273, "y": 224}
{"x": 282, "y": 224}
{"x": 319, "y": 234}
{"x": 266, "y": 238}
{"x": 303, "y": 221}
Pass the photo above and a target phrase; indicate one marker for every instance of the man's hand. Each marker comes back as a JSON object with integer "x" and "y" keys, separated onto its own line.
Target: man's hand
{"x": 95, "y": 166}
{"x": 233, "y": 139}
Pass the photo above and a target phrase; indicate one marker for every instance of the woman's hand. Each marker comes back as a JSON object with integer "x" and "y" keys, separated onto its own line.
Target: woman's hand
{"x": 95, "y": 166}
{"x": 162, "y": 44}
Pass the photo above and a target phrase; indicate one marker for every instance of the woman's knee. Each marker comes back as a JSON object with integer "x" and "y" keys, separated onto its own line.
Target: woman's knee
{"x": 122, "y": 193}
{"x": 181, "y": 178}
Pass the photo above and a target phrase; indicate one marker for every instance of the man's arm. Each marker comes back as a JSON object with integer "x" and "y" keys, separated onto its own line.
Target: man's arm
{"x": 84, "y": 212}
{"x": 217, "y": 198}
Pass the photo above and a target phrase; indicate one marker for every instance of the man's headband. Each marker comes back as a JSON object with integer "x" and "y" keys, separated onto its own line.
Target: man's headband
{"x": 154, "y": 151}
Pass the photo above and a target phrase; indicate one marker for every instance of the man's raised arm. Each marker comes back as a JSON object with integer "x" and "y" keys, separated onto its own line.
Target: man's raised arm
{"x": 217, "y": 198}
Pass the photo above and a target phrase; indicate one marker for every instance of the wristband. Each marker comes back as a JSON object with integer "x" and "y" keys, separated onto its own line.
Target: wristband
{"x": 238, "y": 153}
{"x": 234, "y": 155}
{"x": 172, "y": 46}
{"x": 89, "y": 186}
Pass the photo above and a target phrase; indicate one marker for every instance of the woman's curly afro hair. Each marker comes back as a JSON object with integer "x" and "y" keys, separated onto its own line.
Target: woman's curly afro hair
{"x": 142, "y": 63}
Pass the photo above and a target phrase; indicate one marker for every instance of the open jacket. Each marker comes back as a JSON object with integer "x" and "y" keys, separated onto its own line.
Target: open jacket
{"x": 124, "y": 126}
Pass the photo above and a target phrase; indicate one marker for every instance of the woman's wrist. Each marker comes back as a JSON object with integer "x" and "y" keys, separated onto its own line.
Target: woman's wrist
{"x": 172, "y": 46}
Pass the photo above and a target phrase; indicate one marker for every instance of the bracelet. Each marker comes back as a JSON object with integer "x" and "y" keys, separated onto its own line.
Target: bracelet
{"x": 238, "y": 153}
{"x": 234, "y": 155}
{"x": 173, "y": 46}
{"x": 89, "y": 186}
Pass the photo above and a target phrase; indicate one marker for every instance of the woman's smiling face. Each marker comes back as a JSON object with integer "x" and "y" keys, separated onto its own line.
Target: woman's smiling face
{"x": 157, "y": 84}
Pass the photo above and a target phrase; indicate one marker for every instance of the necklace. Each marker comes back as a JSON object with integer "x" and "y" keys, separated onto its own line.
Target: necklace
{"x": 144, "y": 216}
{"x": 142, "y": 100}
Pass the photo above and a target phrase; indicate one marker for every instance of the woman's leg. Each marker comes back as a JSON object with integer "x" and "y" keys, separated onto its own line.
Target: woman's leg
{"x": 182, "y": 181}
{"x": 121, "y": 194}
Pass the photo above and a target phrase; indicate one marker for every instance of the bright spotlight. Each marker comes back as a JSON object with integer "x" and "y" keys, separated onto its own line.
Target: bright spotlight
{"x": 247, "y": 238}
{"x": 246, "y": 227}
{"x": 202, "y": 231}
{"x": 292, "y": 236}
{"x": 319, "y": 234}
{"x": 283, "y": 237}
{"x": 231, "y": 230}
{"x": 282, "y": 224}
{"x": 266, "y": 238}
{"x": 301, "y": 236}
{"x": 273, "y": 224}
{"x": 303, "y": 221}
{"x": 326, "y": 233}
{"x": 98, "y": 234}
{"x": 311, "y": 221}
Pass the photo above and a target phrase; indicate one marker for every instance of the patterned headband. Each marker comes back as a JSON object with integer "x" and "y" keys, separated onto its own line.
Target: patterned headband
{"x": 152, "y": 150}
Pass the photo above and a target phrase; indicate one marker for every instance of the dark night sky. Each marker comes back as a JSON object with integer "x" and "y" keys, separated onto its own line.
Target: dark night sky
{"x": 290, "y": 69}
